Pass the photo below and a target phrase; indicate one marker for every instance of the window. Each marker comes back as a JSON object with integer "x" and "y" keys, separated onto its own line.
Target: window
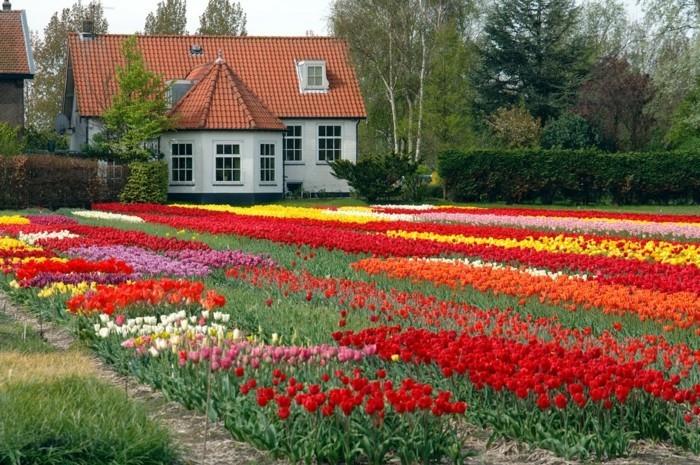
{"x": 267, "y": 162}
{"x": 314, "y": 76}
{"x": 228, "y": 163}
{"x": 329, "y": 143}
{"x": 292, "y": 144}
{"x": 181, "y": 163}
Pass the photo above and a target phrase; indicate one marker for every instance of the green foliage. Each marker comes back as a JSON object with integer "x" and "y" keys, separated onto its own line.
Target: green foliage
{"x": 376, "y": 177}
{"x": 569, "y": 131}
{"x": 224, "y": 18}
{"x": 532, "y": 52}
{"x": 449, "y": 95}
{"x": 147, "y": 183}
{"x": 515, "y": 127}
{"x": 582, "y": 176}
{"x": 44, "y": 99}
{"x": 170, "y": 18}
{"x": 10, "y": 141}
{"x": 44, "y": 140}
{"x": 685, "y": 126}
{"x": 77, "y": 420}
{"x": 139, "y": 109}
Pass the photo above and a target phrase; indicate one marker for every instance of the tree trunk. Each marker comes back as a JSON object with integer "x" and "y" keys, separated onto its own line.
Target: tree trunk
{"x": 409, "y": 129}
{"x": 421, "y": 80}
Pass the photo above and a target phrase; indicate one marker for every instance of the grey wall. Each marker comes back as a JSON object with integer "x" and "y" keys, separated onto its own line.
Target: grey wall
{"x": 12, "y": 102}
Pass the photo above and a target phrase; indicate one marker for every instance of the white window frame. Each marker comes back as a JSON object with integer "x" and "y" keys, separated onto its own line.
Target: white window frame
{"x": 171, "y": 167}
{"x": 299, "y": 139}
{"x": 303, "y": 75}
{"x": 273, "y": 181}
{"x": 232, "y": 155}
{"x": 326, "y": 137}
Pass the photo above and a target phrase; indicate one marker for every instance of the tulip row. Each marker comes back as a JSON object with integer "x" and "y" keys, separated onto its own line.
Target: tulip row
{"x": 678, "y": 309}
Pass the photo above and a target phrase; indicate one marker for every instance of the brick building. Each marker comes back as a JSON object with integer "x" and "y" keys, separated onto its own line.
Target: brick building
{"x": 16, "y": 63}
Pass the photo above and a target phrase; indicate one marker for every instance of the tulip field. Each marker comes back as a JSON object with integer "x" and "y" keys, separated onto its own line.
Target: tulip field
{"x": 385, "y": 333}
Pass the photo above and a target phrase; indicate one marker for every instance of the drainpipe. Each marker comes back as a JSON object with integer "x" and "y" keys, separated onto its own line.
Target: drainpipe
{"x": 87, "y": 131}
{"x": 357, "y": 140}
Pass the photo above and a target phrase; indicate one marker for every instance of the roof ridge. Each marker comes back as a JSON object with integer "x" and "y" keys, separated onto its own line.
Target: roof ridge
{"x": 217, "y": 36}
{"x": 210, "y": 95}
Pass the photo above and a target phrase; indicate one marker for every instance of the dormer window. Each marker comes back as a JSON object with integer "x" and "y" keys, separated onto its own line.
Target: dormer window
{"x": 312, "y": 76}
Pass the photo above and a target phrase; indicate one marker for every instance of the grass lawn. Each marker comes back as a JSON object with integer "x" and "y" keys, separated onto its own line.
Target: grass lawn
{"x": 54, "y": 410}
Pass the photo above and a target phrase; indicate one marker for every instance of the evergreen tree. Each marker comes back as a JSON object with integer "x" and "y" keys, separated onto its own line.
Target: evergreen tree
{"x": 45, "y": 92}
{"x": 139, "y": 111}
{"x": 449, "y": 94}
{"x": 532, "y": 53}
{"x": 170, "y": 17}
{"x": 223, "y": 17}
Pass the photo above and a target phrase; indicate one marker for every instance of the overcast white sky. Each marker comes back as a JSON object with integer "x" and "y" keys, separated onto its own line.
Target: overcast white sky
{"x": 265, "y": 17}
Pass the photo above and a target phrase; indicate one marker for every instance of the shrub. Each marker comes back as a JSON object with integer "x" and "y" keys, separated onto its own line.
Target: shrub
{"x": 515, "y": 127}
{"x": 569, "y": 131}
{"x": 147, "y": 183}
{"x": 37, "y": 140}
{"x": 53, "y": 181}
{"x": 10, "y": 141}
{"x": 378, "y": 177}
{"x": 77, "y": 420}
{"x": 579, "y": 176}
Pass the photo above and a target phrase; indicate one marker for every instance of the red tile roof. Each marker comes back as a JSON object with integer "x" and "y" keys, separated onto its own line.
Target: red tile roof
{"x": 220, "y": 100}
{"x": 15, "y": 56}
{"x": 264, "y": 65}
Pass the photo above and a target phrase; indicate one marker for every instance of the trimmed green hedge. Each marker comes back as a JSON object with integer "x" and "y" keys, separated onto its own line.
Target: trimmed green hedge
{"x": 580, "y": 176}
{"x": 147, "y": 183}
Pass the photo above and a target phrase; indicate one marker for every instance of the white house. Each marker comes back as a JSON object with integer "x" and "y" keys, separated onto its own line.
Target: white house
{"x": 255, "y": 116}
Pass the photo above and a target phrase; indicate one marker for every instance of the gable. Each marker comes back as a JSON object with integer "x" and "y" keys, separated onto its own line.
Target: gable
{"x": 266, "y": 65}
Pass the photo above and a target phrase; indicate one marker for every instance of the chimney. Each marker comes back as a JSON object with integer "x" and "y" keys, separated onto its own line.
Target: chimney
{"x": 6, "y": 5}
{"x": 88, "y": 26}
{"x": 88, "y": 30}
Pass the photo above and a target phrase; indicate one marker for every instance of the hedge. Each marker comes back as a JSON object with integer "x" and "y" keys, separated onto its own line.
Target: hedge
{"x": 578, "y": 176}
{"x": 53, "y": 181}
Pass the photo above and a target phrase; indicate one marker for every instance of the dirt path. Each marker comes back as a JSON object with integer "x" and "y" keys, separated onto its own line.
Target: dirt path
{"x": 188, "y": 427}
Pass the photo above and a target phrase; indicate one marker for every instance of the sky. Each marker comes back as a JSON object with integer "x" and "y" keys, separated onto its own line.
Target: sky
{"x": 265, "y": 17}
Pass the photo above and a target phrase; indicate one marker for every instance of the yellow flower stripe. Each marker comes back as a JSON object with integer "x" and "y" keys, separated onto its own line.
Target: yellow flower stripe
{"x": 7, "y": 243}
{"x": 13, "y": 219}
{"x": 63, "y": 289}
{"x": 20, "y": 261}
{"x": 658, "y": 251}
{"x": 346, "y": 215}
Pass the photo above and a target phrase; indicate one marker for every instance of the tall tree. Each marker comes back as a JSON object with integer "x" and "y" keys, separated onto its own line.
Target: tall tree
{"x": 606, "y": 24}
{"x": 613, "y": 101}
{"x": 223, "y": 17}
{"x": 170, "y": 17}
{"x": 449, "y": 94}
{"x": 392, "y": 44}
{"x": 531, "y": 52}
{"x": 138, "y": 112}
{"x": 684, "y": 132}
{"x": 45, "y": 93}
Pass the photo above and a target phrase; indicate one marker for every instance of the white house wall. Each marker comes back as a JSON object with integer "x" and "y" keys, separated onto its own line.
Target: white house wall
{"x": 315, "y": 175}
{"x": 203, "y": 155}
